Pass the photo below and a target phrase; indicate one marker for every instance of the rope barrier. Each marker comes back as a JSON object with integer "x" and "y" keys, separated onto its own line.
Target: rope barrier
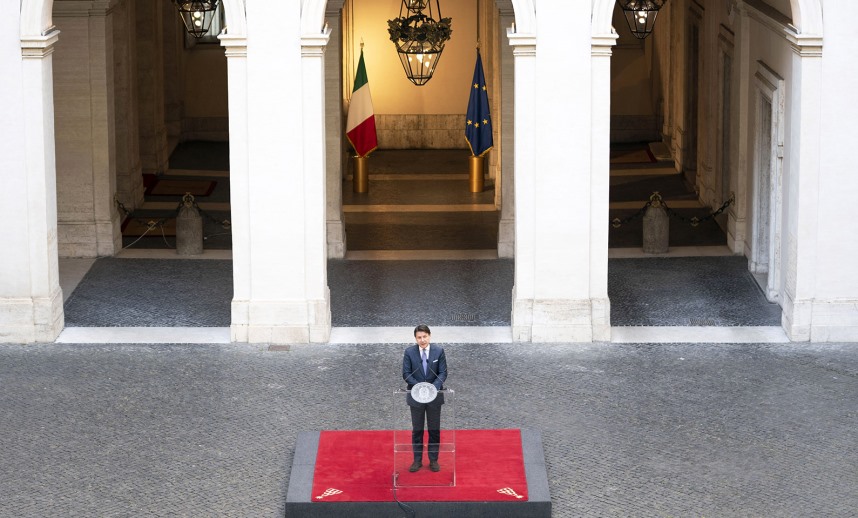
{"x": 150, "y": 224}
{"x": 655, "y": 200}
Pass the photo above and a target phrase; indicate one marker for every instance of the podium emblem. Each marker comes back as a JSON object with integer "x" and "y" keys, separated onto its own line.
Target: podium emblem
{"x": 509, "y": 491}
{"x": 424, "y": 392}
{"x": 331, "y": 491}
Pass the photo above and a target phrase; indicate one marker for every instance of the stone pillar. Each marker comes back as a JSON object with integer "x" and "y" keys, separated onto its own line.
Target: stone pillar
{"x": 505, "y": 183}
{"x": 489, "y": 53}
{"x": 336, "y": 233}
{"x": 524, "y": 51}
{"x": 173, "y": 44}
{"x": 189, "y": 229}
{"x": 88, "y": 222}
{"x": 738, "y": 217}
{"x": 552, "y": 296}
{"x": 708, "y": 109}
{"x": 802, "y": 190}
{"x": 600, "y": 178}
{"x": 656, "y": 229}
{"x": 281, "y": 293}
{"x": 150, "y": 79}
{"x": 316, "y": 264}
{"x": 239, "y": 182}
{"x": 129, "y": 170}
{"x": 31, "y": 302}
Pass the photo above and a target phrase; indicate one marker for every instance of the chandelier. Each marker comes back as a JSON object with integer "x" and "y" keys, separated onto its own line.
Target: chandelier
{"x": 197, "y": 15}
{"x": 419, "y": 38}
{"x": 641, "y": 14}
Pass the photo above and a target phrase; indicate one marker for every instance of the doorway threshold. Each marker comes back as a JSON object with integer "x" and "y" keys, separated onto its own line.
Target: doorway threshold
{"x": 404, "y": 335}
{"x": 170, "y": 253}
{"x": 674, "y": 251}
{"x": 440, "y": 335}
{"x": 144, "y": 335}
{"x": 699, "y": 334}
{"x": 421, "y": 255}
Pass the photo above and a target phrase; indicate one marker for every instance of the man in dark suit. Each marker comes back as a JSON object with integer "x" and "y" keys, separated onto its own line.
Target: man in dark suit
{"x": 422, "y": 363}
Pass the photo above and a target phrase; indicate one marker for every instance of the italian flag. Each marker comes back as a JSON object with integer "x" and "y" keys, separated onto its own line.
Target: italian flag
{"x": 360, "y": 124}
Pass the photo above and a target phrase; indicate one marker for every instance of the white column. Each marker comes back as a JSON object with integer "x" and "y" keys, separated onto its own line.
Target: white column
{"x": 506, "y": 227}
{"x": 281, "y": 294}
{"x": 552, "y": 299}
{"x": 30, "y": 297}
{"x": 315, "y": 184}
{"x": 523, "y": 291}
{"x": 600, "y": 177}
{"x": 835, "y": 308}
{"x": 802, "y": 190}
{"x": 239, "y": 183}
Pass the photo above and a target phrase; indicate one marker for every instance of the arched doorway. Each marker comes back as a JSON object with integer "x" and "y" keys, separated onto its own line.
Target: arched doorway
{"x": 510, "y": 16}
{"x": 737, "y": 145}
{"x": 38, "y": 36}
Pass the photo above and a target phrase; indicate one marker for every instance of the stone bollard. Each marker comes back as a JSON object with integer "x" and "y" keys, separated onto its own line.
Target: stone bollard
{"x": 189, "y": 228}
{"x": 656, "y": 227}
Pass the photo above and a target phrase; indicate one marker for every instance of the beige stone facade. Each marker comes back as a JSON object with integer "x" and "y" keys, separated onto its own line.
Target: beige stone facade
{"x": 750, "y": 99}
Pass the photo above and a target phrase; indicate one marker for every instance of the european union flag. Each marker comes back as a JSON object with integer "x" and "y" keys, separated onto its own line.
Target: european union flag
{"x": 478, "y": 126}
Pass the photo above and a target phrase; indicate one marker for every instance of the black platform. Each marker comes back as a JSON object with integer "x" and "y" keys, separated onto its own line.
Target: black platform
{"x": 299, "y": 496}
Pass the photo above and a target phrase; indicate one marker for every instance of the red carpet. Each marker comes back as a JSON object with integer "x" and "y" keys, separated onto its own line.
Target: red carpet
{"x": 357, "y": 466}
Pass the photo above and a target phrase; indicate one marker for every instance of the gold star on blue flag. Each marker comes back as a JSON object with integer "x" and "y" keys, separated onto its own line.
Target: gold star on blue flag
{"x": 478, "y": 126}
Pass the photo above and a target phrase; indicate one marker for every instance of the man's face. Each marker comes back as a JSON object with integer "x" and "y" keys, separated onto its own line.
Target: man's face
{"x": 422, "y": 339}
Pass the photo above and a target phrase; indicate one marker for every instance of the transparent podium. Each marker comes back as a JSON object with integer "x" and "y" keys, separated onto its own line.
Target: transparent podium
{"x": 407, "y": 447}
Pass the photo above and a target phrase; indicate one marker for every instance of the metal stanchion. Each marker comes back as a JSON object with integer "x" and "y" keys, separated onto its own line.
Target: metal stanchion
{"x": 476, "y": 174}
{"x": 360, "y": 179}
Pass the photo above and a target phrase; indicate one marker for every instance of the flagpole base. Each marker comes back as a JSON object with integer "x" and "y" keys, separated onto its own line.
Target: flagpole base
{"x": 360, "y": 178}
{"x": 476, "y": 173}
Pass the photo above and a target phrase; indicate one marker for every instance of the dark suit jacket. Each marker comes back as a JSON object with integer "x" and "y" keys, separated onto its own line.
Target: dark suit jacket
{"x": 436, "y": 370}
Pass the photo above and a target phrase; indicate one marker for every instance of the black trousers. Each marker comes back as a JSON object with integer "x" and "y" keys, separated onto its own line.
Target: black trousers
{"x": 425, "y": 414}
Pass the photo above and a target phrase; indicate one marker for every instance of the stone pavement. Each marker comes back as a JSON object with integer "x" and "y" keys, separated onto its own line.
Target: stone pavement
{"x": 629, "y": 430}
{"x": 678, "y": 291}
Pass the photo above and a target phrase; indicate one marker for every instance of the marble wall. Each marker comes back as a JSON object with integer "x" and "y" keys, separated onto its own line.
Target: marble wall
{"x": 421, "y": 131}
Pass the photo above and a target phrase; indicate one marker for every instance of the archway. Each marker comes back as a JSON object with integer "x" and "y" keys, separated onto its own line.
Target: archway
{"x": 520, "y": 15}
{"x": 797, "y": 30}
{"x": 313, "y": 15}
{"x": 37, "y": 19}
{"x": 38, "y": 36}
{"x": 806, "y": 17}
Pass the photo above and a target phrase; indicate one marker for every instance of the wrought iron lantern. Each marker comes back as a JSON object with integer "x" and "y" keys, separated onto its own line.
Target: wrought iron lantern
{"x": 419, "y": 38}
{"x": 641, "y": 14}
{"x": 197, "y": 15}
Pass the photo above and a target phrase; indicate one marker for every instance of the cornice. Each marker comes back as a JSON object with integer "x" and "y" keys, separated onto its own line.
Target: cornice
{"x": 37, "y": 47}
{"x": 235, "y": 46}
{"x": 603, "y": 44}
{"x": 522, "y": 44}
{"x": 314, "y": 44}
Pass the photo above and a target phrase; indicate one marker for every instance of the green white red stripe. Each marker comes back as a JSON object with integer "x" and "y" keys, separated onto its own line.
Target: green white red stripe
{"x": 360, "y": 124}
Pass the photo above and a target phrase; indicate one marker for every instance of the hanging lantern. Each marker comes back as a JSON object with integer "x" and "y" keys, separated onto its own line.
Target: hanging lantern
{"x": 641, "y": 14}
{"x": 419, "y": 38}
{"x": 197, "y": 15}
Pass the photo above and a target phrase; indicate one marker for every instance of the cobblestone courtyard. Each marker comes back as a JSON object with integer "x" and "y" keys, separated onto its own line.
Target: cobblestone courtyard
{"x": 629, "y": 430}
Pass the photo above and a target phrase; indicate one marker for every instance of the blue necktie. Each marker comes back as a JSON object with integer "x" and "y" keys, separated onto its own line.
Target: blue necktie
{"x": 425, "y": 359}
